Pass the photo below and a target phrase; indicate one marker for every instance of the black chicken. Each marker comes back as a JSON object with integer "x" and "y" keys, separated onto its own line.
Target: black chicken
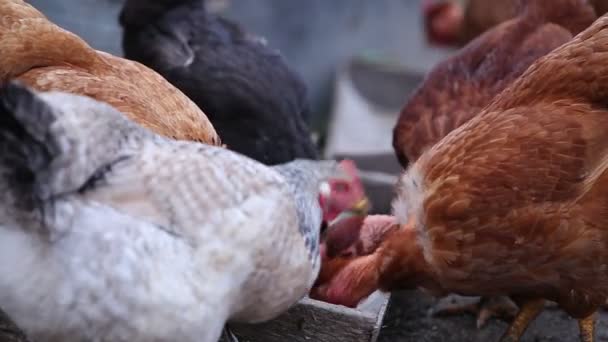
{"x": 256, "y": 102}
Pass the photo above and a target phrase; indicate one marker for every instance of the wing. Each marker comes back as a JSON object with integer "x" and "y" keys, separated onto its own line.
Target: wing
{"x": 518, "y": 192}
{"x": 140, "y": 100}
{"x": 181, "y": 187}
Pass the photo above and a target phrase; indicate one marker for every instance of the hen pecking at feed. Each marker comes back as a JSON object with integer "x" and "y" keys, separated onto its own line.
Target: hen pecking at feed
{"x": 514, "y": 202}
{"x": 459, "y": 88}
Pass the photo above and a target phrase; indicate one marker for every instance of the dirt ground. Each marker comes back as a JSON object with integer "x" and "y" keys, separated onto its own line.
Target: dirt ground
{"x": 407, "y": 321}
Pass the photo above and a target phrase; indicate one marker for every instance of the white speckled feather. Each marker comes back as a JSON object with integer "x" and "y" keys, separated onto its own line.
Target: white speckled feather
{"x": 167, "y": 243}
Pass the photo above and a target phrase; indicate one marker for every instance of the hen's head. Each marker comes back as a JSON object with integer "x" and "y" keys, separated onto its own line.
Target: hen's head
{"x": 343, "y": 195}
{"x": 349, "y": 263}
{"x": 443, "y": 21}
{"x": 332, "y": 187}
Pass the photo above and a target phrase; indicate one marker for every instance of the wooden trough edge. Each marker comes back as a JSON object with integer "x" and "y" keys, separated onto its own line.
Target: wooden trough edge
{"x": 312, "y": 320}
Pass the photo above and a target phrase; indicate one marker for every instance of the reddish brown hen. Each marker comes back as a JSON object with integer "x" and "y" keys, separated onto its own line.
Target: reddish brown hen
{"x": 515, "y": 201}
{"x": 459, "y": 87}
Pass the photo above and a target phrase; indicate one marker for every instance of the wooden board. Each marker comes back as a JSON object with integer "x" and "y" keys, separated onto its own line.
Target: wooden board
{"x": 315, "y": 321}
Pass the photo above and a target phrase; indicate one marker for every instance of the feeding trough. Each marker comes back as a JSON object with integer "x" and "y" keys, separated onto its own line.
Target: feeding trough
{"x": 312, "y": 320}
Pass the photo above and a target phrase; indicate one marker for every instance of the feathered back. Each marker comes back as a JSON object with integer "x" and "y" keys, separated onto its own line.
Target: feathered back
{"x": 577, "y": 70}
{"x": 48, "y": 58}
{"x": 458, "y": 88}
{"x": 28, "y": 40}
{"x": 549, "y": 124}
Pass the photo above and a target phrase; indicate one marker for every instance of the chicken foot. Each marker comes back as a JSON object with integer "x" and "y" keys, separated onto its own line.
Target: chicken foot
{"x": 587, "y": 328}
{"x": 484, "y": 307}
{"x": 530, "y": 309}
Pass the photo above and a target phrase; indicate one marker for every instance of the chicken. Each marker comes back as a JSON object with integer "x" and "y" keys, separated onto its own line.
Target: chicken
{"x": 460, "y": 86}
{"x": 457, "y": 22}
{"x": 110, "y": 232}
{"x": 46, "y": 57}
{"x": 513, "y": 202}
{"x": 257, "y": 103}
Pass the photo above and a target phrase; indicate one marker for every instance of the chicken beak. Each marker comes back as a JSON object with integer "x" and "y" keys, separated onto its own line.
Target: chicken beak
{"x": 360, "y": 208}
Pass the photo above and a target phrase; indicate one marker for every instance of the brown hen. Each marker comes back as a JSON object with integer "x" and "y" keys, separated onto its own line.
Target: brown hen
{"x": 47, "y": 57}
{"x": 515, "y": 201}
{"x": 460, "y": 86}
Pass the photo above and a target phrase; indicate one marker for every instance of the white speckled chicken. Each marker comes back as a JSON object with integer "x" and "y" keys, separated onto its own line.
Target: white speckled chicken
{"x": 109, "y": 232}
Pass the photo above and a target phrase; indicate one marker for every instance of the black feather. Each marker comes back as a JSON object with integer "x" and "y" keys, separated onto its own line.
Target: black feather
{"x": 26, "y": 145}
{"x": 255, "y": 101}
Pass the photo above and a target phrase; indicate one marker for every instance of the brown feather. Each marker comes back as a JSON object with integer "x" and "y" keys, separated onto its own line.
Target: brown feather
{"x": 461, "y": 86}
{"x": 47, "y": 57}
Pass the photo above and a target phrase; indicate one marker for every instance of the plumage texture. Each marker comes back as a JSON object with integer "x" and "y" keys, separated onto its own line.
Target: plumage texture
{"x": 514, "y": 201}
{"x": 257, "y": 103}
{"x": 47, "y": 57}
{"x": 113, "y": 233}
{"x": 461, "y": 86}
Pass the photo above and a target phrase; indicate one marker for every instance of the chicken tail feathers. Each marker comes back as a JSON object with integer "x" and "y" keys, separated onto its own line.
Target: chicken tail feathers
{"x": 26, "y": 143}
{"x": 28, "y": 39}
